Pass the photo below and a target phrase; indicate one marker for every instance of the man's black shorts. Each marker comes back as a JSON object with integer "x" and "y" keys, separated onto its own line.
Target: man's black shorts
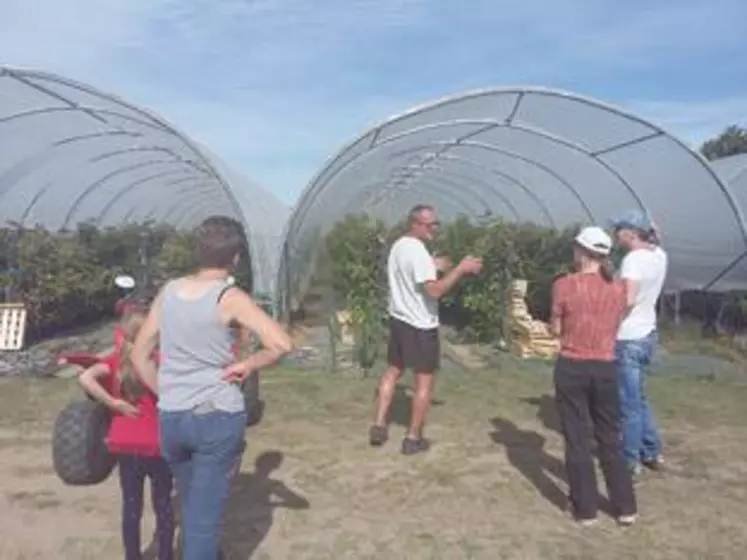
{"x": 413, "y": 348}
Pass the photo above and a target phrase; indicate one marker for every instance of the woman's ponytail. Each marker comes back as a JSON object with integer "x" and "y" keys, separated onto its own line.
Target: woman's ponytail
{"x": 606, "y": 269}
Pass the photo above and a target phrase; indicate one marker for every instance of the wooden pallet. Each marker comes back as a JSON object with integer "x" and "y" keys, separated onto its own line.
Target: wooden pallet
{"x": 12, "y": 325}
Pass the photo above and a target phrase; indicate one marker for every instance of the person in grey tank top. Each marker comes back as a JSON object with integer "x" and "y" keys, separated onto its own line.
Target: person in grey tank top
{"x": 201, "y": 408}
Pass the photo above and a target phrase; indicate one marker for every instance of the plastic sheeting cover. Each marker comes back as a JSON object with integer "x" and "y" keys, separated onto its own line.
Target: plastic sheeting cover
{"x": 70, "y": 153}
{"x": 525, "y": 154}
{"x": 733, "y": 172}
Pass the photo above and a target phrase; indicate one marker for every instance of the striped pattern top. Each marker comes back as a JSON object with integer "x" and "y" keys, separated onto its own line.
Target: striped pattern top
{"x": 590, "y": 311}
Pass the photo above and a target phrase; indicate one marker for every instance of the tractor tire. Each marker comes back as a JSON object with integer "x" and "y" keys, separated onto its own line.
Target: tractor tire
{"x": 253, "y": 405}
{"x": 79, "y": 453}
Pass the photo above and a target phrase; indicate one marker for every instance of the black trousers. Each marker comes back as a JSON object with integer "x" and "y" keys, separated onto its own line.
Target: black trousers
{"x": 133, "y": 470}
{"x": 587, "y": 399}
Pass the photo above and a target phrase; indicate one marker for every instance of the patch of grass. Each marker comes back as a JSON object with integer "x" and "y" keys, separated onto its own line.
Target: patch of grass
{"x": 476, "y": 496}
{"x": 491, "y": 487}
{"x": 29, "y": 403}
{"x": 688, "y": 339}
{"x": 41, "y": 499}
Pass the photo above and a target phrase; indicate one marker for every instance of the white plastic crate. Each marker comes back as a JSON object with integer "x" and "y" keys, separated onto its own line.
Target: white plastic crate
{"x": 12, "y": 326}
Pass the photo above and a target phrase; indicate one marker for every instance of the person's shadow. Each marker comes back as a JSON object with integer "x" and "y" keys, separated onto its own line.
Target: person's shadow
{"x": 399, "y": 413}
{"x": 525, "y": 451}
{"x": 546, "y": 411}
{"x": 251, "y": 505}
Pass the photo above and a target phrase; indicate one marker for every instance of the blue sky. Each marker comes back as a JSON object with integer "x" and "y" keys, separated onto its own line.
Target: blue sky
{"x": 276, "y": 87}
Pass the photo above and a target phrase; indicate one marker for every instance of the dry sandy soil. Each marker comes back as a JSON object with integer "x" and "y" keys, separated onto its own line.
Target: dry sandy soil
{"x": 491, "y": 487}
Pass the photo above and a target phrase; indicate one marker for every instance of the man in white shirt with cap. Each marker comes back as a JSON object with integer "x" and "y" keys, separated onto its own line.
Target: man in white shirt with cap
{"x": 644, "y": 267}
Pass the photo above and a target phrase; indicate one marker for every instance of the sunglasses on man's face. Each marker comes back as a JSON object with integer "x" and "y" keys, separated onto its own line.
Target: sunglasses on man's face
{"x": 435, "y": 224}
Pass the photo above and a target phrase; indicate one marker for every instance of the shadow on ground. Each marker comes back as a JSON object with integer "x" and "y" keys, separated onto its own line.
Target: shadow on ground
{"x": 250, "y": 510}
{"x": 251, "y": 507}
{"x": 546, "y": 412}
{"x": 525, "y": 451}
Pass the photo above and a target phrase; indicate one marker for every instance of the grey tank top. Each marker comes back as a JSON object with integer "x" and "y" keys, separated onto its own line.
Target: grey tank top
{"x": 195, "y": 347}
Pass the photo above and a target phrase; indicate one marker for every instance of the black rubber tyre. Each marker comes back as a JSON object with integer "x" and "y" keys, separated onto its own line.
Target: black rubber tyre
{"x": 252, "y": 403}
{"x": 79, "y": 453}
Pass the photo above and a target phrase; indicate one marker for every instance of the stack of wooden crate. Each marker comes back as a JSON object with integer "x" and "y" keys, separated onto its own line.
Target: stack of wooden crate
{"x": 530, "y": 338}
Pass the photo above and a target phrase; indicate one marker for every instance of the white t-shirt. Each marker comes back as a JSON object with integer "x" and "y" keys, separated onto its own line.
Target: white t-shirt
{"x": 648, "y": 269}
{"x": 409, "y": 267}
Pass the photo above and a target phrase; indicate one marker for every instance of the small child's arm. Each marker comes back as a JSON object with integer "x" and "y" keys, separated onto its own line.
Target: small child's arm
{"x": 90, "y": 380}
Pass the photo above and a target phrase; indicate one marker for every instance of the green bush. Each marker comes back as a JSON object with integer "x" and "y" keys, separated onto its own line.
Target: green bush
{"x": 357, "y": 248}
{"x": 62, "y": 285}
{"x": 68, "y": 277}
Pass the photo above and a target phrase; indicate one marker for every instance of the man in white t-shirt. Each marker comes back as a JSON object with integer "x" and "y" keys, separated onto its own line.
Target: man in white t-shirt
{"x": 644, "y": 267}
{"x": 414, "y": 291}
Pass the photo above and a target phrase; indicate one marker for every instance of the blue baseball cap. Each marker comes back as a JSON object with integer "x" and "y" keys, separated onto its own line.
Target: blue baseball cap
{"x": 633, "y": 219}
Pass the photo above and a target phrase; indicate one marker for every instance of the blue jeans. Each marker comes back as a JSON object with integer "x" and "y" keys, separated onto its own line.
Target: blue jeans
{"x": 640, "y": 436}
{"x": 203, "y": 448}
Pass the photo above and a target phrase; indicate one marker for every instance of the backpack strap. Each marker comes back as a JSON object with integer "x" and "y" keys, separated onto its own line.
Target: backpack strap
{"x": 223, "y": 291}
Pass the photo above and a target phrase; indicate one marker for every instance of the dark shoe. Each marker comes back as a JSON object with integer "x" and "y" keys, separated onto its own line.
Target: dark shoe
{"x": 656, "y": 464}
{"x": 377, "y": 435}
{"x": 412, "y": 446}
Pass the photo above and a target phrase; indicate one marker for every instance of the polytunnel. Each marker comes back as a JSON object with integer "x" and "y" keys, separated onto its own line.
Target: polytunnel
{"x": 70, "y": 153}
{"x": 733, "y": 172}
{"x": 525, "y": 154}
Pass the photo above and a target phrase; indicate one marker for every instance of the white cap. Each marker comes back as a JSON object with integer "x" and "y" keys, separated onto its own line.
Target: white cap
{"x": 595, "y": 239}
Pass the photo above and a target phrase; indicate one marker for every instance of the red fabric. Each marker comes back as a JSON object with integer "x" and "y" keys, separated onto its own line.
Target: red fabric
{"x": 137, "y": 435}
{"x": 134, "y": 435}
{"x": 590, "y": 311}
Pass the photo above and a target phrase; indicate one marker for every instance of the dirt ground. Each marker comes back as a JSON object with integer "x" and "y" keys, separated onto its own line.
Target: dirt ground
{"x": 491, "y": 487}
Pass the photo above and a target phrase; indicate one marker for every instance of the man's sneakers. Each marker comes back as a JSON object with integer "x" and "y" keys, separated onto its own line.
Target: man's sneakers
{"x": 657, "y": 464}
{"x": 411, "y": 446}
{"x": 627, "y": 520}
{"x": 377, "y": 435}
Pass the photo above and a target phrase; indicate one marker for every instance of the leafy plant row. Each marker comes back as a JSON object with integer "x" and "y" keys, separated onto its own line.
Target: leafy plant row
{"x": 66, "y": 279}
{"x": 357, "y": 248}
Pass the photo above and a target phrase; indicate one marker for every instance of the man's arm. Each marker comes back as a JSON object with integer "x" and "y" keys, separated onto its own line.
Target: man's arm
{"x": 436, "y": 289}
{"x": 442, "y": 264}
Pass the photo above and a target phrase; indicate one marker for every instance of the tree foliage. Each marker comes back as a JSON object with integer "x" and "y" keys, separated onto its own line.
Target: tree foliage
{"x": 67, "y": 278}
{"x": 732, "y": 141}
{"x": 357, "y": 248}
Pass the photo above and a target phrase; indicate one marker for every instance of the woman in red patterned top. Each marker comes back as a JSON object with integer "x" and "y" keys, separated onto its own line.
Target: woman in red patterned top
{"x": 587, "y": 309}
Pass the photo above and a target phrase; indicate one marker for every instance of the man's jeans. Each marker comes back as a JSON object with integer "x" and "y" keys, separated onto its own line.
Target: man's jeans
{"x": 203, "y": 447}
{"x": 640, "y": 435}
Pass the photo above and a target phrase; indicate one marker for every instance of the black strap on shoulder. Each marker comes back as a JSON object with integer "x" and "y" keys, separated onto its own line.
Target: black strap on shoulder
{"x": 223, "y": 291}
